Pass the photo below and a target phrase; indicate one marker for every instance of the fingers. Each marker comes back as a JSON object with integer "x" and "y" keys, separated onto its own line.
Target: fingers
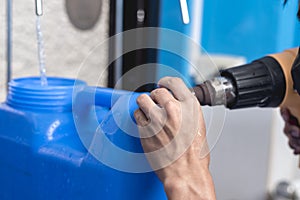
{"x": 147, "y": 105}
{"x": 140, "y": 118}
{"x": 288, "y": 117}
{"x": 291, "y": 130}
{"x": 294, "y": 144}
{"x": 177, "y": 87}
{"x": 161, "y": 96}
{"x": 285, "y": 114}
{"x": 293, "y": 134}
{"x": 150, "y": 115}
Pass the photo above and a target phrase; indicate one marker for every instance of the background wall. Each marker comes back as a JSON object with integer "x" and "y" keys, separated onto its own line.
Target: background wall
{"x": 65, "y": 46}
{"x": 251, "y": 28}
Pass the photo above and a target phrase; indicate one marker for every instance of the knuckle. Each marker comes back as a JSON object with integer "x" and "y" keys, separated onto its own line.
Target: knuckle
{"x": 154, "y": 93}
{"x": 158, "y": 92}
{"x": 155, "y": 114}
{"x": 160, "y": 120}
{"x": 174, "y": 80}
{"x": 286, "y": 129}
{"x": 170, "y": 80}
{"x": 172, "y": 106}
{"x": 165, "y": 78}
{"x": 141, "y": 99}
{"x": 293, "y": 144}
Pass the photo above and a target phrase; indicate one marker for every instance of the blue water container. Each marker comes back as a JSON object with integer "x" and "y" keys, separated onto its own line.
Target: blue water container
{"x": 48, "y": 148}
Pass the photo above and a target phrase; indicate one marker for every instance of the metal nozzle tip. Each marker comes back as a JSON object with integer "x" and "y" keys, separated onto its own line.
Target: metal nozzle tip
{"x": 202, "y": 94}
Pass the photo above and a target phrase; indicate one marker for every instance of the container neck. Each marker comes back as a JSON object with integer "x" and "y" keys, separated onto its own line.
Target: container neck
{"x": 28, "y": 93}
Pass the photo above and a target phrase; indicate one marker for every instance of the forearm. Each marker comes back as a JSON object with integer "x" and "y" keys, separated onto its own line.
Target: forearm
{"x": 197, "y": 185}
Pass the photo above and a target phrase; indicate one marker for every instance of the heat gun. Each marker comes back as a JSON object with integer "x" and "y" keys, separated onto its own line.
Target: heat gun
{"x": 266, "y": 82}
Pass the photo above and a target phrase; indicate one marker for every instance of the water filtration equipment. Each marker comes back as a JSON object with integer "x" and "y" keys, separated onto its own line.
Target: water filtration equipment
{"x": 43, "y": 157}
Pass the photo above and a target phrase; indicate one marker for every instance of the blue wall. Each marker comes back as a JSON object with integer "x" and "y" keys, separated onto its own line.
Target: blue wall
{"x": 171, "y": 19}
{"x": 251, "y": 28}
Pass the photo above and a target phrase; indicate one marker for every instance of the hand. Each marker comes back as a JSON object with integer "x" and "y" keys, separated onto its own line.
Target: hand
{"x": 291, "y": 130}
{"x": 173, "y": 136}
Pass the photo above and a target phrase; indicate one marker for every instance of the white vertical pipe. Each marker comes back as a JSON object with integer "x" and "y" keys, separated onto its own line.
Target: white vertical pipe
{"x": 197, "y": 20}
{"x": 185, "y": 11}
{"x": 119, "y": 42}
{"x": 9, "y": 40}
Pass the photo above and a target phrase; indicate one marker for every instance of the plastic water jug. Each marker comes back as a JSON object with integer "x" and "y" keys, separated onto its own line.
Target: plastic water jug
{"x": 58, "y": 142}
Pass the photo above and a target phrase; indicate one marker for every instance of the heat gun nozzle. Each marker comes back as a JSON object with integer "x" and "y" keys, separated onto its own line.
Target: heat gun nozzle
{"x": 202, "y": 94}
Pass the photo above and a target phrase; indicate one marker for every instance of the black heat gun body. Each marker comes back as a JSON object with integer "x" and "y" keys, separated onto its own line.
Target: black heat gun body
{"x": 266, "y": 82}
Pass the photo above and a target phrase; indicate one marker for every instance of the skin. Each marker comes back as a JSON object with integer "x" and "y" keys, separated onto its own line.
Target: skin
{"x": 188, "y": 177}
{"x": 176, "y": 118}
{"x": 291, "y": 130}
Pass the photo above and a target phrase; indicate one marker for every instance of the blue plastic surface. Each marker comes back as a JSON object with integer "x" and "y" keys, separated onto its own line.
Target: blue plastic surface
{"x": 42, "y": 156}
{"x": 250, "y": 28}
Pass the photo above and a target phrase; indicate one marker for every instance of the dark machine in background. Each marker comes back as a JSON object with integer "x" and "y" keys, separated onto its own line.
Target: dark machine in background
{"x": 127, "y": 15}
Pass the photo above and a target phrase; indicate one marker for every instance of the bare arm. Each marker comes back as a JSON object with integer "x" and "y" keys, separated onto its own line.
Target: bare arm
{"x": 173, "y": 136}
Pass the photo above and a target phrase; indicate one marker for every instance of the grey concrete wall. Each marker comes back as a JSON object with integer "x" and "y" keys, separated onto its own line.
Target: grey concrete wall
{"x": 65, "y": 47}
